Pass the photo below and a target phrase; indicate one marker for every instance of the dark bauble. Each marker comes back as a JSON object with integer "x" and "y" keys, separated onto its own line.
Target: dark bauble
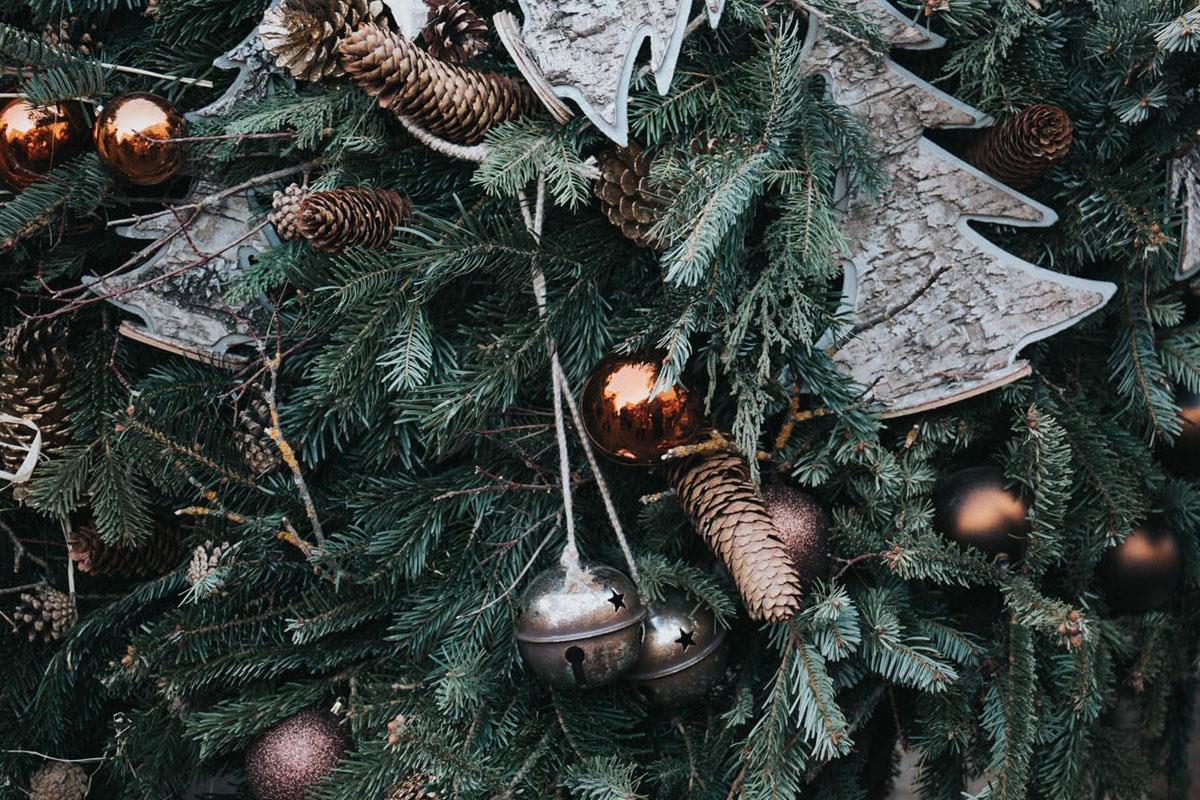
{"x": 1141, "y": 573}
{"x": 134, "y": 137}
{"x": 35, "y": 140}
{"x": 683, "y": 653}
{"x": 626, "y": 420}
{"x": 973, "y": 507}
{"x": 294, "y": 754}
{"x": 804, "y": 524}
{"x": 1183, "y": 455}
{"x": 582, "y": 627}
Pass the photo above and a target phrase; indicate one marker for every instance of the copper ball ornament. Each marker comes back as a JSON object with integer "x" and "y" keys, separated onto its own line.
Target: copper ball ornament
{"x": 580, "y": 628}
{"x": 134, "y": 136}
{"x": 973, "y": 507}
{"x": 294, "y": 754}
{"x": 625, "y": 419}
{"x": 683, "y": 653}
{"x": 1183, "y": 455}
{"x": 1141, "y": 573}
{"x": 35, "y": 140}
{"x": 804, "y": 523}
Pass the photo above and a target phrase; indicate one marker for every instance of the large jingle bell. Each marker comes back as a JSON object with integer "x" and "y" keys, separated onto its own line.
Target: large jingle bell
{"x": 580, "y": 627}
{"x": 683, "y": 653}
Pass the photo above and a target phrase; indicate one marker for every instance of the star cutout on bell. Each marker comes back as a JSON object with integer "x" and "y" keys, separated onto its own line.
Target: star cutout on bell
{"x": 617, "y": 599}
{"x": 685, "y": 639}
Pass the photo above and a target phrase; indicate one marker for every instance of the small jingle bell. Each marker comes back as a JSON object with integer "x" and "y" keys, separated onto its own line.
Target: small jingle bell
{"x": 580, "y": 628}
{"x": 683, "y": 654}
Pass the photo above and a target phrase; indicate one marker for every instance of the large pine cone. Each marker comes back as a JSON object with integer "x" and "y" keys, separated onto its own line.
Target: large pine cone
{"x": 303, "y": 34}
{"x": 93, "y": 556}
{"x": 34, "y": 363}
{"x": 44, "y": 613}
{"x": 450, "y": 101}
{"x": 625, "y": 195}
{"x": 59, "y": 780}
{"x": 1023, "y": 149}
{"x": 339, "y": 218}
{"x": 454, "y": 31}
{"x": 725, "y": 507}
{"x": 284, "y": 207}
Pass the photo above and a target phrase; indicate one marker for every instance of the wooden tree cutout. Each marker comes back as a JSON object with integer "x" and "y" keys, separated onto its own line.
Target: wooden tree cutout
{"x": 1185, "y": 188}
{"x": 937, "y": 312}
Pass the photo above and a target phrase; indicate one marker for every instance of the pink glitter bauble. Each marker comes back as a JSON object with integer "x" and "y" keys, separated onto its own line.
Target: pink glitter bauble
{"x": 294, "y": 754}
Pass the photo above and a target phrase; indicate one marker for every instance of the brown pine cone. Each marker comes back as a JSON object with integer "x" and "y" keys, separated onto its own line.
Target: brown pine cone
{"x": 411, "y": 788}
{"x": 259, "y": 451}
{"x": 93, "y": 556}
{"x": 44, "y": 613}
{"x": 72, "y": 33}
{"x": 450, "y": 101}
{"x": 339, "y": 218}
{"x": 34, "y": 364}
{"x": 1023, "y": 149}
{"x": 59, "y": 780}
{"x": 454, "y": 31}
{"x": 284, "y": 206}
{"x": 725, "y": 507}
{"x": 625, "y": 195}
{"x": 303, "y": 35}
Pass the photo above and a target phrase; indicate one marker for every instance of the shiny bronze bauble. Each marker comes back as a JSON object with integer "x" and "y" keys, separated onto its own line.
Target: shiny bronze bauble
{"x": 804, "y": 524}
{"x": 626, "y": 420}
{"x": 580, "y": 627}
{"x": 135, "y": 135}
{"x": 974, "y": 507}
{"x": 286, "y": 760}
{"x": 35, "y": 140}
{"x": 1183, "y": 455}
{"x": 1141, "y": 573}
{"x": 683, "y": 653}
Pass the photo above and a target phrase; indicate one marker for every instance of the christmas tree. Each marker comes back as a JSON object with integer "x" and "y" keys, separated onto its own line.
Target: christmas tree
{"x": 399, "y": 403}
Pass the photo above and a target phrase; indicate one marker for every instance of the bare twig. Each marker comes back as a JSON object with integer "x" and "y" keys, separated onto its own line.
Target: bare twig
{"x": 24, "y": 587}
{"x": 19, "y": 550}
{"x": 96, "y": 760}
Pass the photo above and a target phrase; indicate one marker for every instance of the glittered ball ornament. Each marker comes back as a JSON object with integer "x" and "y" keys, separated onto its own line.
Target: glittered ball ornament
{"x": 804, "y": 524}
{"x": 294, "y": 754}
{"x": 134, "y": 136}
{"x": 683, "y": 653}
{"x": 973, "y": 507}
{"x": 624, "y": 417}
{"x": 581, "y": 627}
{"x": 1141, "y": 573}
{"x": 1183, "y": 455}
{"x": 35, "y": 140}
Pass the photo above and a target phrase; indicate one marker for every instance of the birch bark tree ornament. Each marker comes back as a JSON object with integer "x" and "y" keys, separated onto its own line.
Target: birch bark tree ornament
{"x": 936, "y": 312}
{"x": 1185, "y": 189}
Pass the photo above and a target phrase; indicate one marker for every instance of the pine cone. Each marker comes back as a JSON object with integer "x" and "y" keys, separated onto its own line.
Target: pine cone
{"x": 59, "y": 780}
{"x": 450, "y": 101}
{"x": 454, "y": 31}
{"x": 303, "y": 35}
{"x": 93, "y": 556}
{"x": 34, "y": 363}
{"x": 72, "y": 33}
{"x": 625, "y": 196}
{"x": 44, "y": 612}
{"x": 1023, "y": 149}
{"x": 151, "y": 9}
{"x": 259, "y": 451}
{"x": 411, "y": 787}
{"x": 284, "y": 207}
{"x": 339, "y": 218}
{"x": 727, "y": 510}
{"x": 205, "y": 558}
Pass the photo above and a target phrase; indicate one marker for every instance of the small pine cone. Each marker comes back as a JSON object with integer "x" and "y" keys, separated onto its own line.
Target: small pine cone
{"x": 625, "y": 196}
{"x": 259, "y": 451}
{"x": 339, "y": 218}
{"x": 284, "y": 207}
{"x": 151, "y": 9}
{"x": 71, "y": 33}
{"x": 412, "y": 787}
{"x": 93, "y": 556}
{"x": 303, "y": 35}
{"x": 1023, "y": 149}
{"x": 454, "y": 31}
{"x": 34, "y": 363}
{"x": 205, "y": 558}
{"x": 450, "y": 101}
{"x": 45, "y": 613}
{"x": 726, "y": 508}
{"x": 59, "y": 780}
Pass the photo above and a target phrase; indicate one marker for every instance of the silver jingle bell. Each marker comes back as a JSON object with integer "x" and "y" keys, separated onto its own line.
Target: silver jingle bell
{"x": 580, "y": 628}
{"x": 683, "y": 654}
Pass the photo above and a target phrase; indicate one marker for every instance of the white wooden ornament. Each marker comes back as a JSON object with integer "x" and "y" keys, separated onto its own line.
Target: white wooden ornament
{"x": 937, "y": 313}
{"x": 1185, "y": 188}
{"x": 585, "y": 50}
